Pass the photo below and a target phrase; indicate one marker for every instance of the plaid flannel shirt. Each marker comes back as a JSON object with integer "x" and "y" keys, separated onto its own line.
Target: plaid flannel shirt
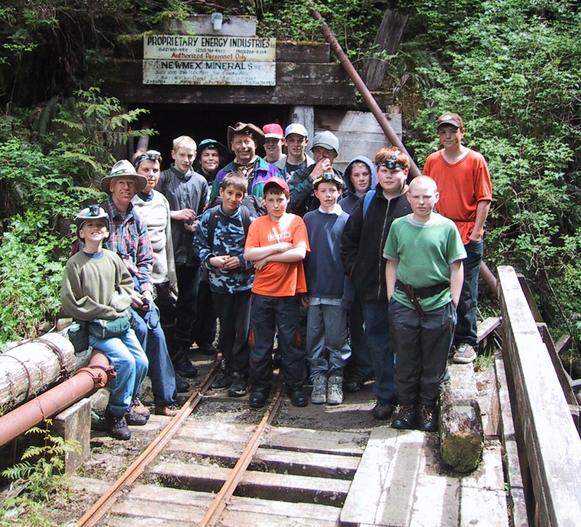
{"x": 129, "y": 239}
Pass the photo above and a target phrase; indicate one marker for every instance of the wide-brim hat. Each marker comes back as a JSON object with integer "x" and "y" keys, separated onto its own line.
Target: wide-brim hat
{"x": 247, "y": 129}
{"x": 124, "y": 168}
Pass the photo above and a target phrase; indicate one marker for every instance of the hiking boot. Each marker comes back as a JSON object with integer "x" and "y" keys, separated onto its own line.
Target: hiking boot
{"x": 169, "y": 410}
{"x": 117, "y": 427}
{"x": 182, "y": 386}
{"x": 319, "y": 393}
{"x": 382, "y": 411}
{"x": 297, "y": 397}
{"x": 184, "y": 367}
{"x": 222, "y": 380}
{"x": 404, "y": 417}
{"x": 258, "y": 398}
{"x": 134, "y": 419}
{"x": 238, "y": 387}
{"x": 464, "y": 354}
{"x": 139, "y": 408}
{"x": 428, "y": 421}
{"x": 335, "y": 390}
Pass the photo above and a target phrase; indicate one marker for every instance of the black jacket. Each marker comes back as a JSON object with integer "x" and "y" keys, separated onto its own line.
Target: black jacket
{"x": 363, "y": 241}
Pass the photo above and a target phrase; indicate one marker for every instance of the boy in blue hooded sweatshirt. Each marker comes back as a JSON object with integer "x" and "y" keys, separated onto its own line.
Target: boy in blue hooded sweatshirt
{"x": 360, "y": 176}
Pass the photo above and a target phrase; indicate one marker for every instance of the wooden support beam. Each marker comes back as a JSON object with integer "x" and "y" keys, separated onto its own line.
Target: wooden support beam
{"x": 550, "y": 438}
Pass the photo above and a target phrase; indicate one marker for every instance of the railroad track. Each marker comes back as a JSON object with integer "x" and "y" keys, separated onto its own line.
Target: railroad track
{"x": 215, "y": 473}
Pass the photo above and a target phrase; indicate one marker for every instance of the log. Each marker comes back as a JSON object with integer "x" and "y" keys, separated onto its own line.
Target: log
{"x": 461, "y": 431}
{"x": 31, "y": 367}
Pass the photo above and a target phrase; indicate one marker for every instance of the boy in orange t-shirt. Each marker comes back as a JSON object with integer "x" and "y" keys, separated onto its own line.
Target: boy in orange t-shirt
{"x": 277, "y": 245}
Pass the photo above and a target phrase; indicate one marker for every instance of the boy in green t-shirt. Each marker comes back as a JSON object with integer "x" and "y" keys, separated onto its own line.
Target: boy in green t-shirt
{"x": 424, "y": 275}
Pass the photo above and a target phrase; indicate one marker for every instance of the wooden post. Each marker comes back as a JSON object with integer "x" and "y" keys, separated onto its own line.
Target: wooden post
{"x": 551, "y": 442}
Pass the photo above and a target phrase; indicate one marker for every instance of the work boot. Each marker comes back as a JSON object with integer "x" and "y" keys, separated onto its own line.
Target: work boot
{"x": 258, "y": 398}
{"x": 167, "y": 410}
{"x": 353, "y": 383}
{"x": 222, "y": 380}
{"x": 297, "y": 397}
{"x": 335, "y": 390}
{"x": 184, "y": 367}
{"x": 319, "y": 393}
{"x": 117, "y": 427}
{"x": 404, "y": 417}
{"x": 134, "y": 419}
{"x": 464, "y": 354}
{"x": 139, "y": 408}
{"x": 238, "y": 387}
{"x": 428, "y": 418}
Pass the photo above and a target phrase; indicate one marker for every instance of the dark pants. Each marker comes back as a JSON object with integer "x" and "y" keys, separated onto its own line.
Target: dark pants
{"x": 234, "y": 314}
{"x": 205, "y": 323}
{"x": 468, "y": 304}
{"x": 421, "y": 348}
{"x": 152, "y": 339}
{"x": 267, "y": 314}
{"x": 359, "y": 365}
{"x": 379, "y": 345}
{"x": 188, "y": 282}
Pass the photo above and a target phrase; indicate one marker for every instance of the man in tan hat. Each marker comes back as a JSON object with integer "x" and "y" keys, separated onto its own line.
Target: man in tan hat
{"x": 243, "y": 140}
{"x": 130, "y": 240}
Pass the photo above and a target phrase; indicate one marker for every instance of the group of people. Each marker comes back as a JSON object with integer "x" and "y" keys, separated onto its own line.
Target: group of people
{"x": 355, "y": 275}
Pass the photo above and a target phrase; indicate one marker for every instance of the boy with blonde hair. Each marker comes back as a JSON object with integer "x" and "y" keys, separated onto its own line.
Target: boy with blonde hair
{"x": 424, "y": 276}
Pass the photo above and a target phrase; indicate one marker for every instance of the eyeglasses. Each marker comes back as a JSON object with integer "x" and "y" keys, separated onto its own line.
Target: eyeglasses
{"x": 150, "y": 155}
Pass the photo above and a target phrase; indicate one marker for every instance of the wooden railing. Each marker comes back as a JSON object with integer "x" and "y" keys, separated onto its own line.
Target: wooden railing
{"x": 548, "y": 442}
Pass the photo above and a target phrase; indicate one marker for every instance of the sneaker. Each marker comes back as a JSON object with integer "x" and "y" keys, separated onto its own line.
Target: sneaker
{"x": 168, "y": 411}
{"x": 319, "y": 393}
{"x": 257, "y": 398}
{"x": 335, "y": 390}
{"x": 428, "y": 418}
{"x": 404, "y": 417}
{"x": 297, "y": 397}
{"x": 182, "y": 385}
{"x": 117, "y": 427}
{"x": 238, "y": 387}
{"x": 222, "y": 380}
{"x": 134, "y": 419}
{"x": 464, "y": 354}
{"x": 382, "y": 411}
{"x": 139, "y": 408}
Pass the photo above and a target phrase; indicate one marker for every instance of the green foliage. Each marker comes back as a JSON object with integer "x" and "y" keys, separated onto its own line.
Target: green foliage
{"x": 40, "y": 471}
{"x": 510, "y": 67}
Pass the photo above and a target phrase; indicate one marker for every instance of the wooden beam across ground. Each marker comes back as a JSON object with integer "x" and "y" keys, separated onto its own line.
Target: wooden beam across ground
{"x": 550, "y": 438}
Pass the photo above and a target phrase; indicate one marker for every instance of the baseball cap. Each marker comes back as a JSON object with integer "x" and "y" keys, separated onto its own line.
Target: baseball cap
{"x": 213, "y": 144}
{"x": 296, "y": 128}
{"x": 278, "y": 182}
{"x": 450, "y": 118}
{"x": 273, "y": 130}
{"x": 326, "y": 140}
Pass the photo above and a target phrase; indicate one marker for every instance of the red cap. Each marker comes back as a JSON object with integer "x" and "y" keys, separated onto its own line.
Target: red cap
{"x": 279, "y": 182}
{"x": 273, "y": 130}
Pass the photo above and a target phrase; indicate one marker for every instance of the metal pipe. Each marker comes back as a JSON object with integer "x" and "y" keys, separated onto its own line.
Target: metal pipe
{"x": 362, "y": 88}
{"x": 85, "y": 381}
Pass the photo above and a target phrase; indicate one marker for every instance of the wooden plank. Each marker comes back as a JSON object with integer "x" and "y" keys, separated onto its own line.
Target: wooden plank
{"x": 486, "y": 327}
{"x": 272, "y": 460}
{"x": 405, "y": 488}
{"x": 563, "y": 344}
{"x": 551, "y": 440}
{"x": 532, "y": 303}
{"x": 254, "y": 484}
{"x": 488, "y": 401}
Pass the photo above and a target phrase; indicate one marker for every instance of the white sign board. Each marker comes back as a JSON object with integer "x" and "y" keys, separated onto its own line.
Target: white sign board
{"x": 208, "y": 59}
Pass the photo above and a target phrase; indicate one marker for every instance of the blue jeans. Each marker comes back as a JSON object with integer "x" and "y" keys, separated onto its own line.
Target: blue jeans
{"x": 467, "y": 323}
{"x": 267, "y": 314}
{"x": 130, "y": 363}
{"x": 161, "y": 371}
{"x": 421, "y": 348}
{"x": 376, "y": 321}
{"x": 327, "y": 348}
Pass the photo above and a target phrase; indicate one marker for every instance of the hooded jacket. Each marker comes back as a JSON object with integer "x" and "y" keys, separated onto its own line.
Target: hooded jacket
{"x": 350, "y": 199}
{"x": 363, "y": 241}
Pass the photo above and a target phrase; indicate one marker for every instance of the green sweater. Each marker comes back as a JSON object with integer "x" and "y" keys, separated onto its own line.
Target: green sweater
{"x": 96, "y": 286}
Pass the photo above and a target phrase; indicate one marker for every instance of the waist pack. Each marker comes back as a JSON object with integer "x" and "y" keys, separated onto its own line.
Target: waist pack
{"x": 78, "y": 334}
{"x": 107, "y": 329}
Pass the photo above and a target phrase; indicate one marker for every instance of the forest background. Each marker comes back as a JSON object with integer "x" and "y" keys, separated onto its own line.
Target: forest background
{"x": 510, "y": 67}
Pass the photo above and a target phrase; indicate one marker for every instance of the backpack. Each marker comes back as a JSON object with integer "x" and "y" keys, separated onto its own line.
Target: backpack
{"x": 213, "y": 221}
{"x": 367, "y": 201}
